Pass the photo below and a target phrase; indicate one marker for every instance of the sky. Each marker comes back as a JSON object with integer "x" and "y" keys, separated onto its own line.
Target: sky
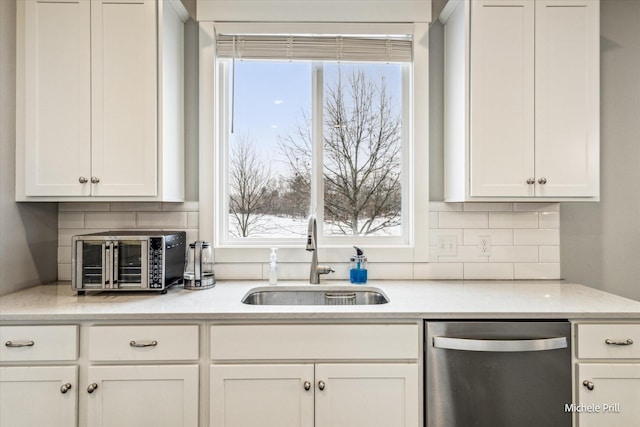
{"x": 270, "y": 98}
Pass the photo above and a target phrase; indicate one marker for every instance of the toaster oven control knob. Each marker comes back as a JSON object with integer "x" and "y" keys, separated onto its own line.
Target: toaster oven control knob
{"x": 95, "y": 180}
{"x": 83, "y": 180}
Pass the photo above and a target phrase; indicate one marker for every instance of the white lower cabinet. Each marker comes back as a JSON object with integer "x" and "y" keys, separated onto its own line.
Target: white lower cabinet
{"x": 40, "y": 385}
{"x": 138, "y": 396}
{"x": 609, "y": 394}
{"x": 321, "y": 395}
{"x": 158, "y": 387}
{"x": 38, "y": 396}
{"x": 316, "y": 375}
{"x": 262, "y": 395}
{"x": 607, "y": 388}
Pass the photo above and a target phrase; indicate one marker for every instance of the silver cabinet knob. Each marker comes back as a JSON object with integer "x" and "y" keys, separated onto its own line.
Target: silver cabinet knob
{"x": 588, "y": 384}
{"x": 95, "y": 180}
{"x": 542, "y": 181}
{"x": 307, "y": 385}
{"x": 531, "y": 181}
{"x": 92, "y": 388}
{"x": 65, "y": 388}
{"x": 321, "y": 385}
{"x": 83, "y": 180}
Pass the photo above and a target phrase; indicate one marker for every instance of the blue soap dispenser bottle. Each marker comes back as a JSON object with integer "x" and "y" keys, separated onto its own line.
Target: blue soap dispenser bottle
{"x": 358, "y": 267}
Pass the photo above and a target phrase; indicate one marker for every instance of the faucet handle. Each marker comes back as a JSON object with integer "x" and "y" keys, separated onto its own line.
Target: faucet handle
{"x": 325, "y": 269}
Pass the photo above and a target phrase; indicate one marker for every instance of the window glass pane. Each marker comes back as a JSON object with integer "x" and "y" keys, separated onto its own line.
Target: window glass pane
{"x": 362, "y": 146}
{"x": 269, "y": 149}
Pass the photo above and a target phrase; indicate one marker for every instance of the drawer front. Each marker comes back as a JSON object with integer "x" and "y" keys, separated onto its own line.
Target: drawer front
{"x": 269, "y": 342}
{"x": 144, "y": 343}
{"x": 38, "y": 343}
{"x": 610, "y": 341}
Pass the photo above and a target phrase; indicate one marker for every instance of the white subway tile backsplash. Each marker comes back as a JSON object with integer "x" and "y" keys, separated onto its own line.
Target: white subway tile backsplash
{"x": 435, "y": 234}
{"x": 499, "y": 236}
{"x": 525, "y": 239}
{"x": 445, "y": 207}
{"x": 136, "y": 207}
{"x": 83, "y": 207}
{"x": 180, "y": 207}
{"x": 537, "y": 271}
{"x": 549, "y": 219}
{"x": 513, "y": 219}
{"x": 433, "y": 220}
{"x": 154, "y": 220}
{"x": 64, "y": 271}
{"x": 192, "y": 219}
{"x": 536, "y": 207}
{"x": 438, "y": 271}
{"x": 464, "y": 219}
{"x": 487, "y": 207}
{"x": 488, "y": 271}
{"x": 110, "y": 220}
{"x": 549, "y": 253}
{"x": 514, "y": 254}
{"x": 465, "y": 254}
{"x": 70, "y": 219}
{"x": 539, "y": 237}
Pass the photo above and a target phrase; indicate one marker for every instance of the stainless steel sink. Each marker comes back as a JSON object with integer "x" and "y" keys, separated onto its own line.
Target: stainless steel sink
{"x": 315, "y": 295}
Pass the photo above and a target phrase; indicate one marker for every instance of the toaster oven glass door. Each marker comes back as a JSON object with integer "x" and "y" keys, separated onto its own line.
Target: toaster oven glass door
{"x": 93, "y": 267}
{"x": 113, "y": 264}
{"x": 131, "y": 264}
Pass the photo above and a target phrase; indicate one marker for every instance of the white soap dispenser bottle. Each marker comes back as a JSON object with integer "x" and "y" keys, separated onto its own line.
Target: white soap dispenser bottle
{"x": 273, "y": 267}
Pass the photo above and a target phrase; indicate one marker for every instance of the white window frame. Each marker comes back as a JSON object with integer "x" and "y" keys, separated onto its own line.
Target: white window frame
{"x": 416, "y": 249}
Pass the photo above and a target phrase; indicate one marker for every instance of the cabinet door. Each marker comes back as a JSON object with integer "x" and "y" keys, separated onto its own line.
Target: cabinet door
{"x": 367, "y": 395}
{"x": 57, "y": 98}
{"x": 261, "y": 395}
{"x": 45, "y": 387}
{"x": 124, "y": 90}
{"x": 135, "y": 396}
{"x": 615, "y": 395}
{"x": 567, "y": 98}
{"x": 502, "y": 103}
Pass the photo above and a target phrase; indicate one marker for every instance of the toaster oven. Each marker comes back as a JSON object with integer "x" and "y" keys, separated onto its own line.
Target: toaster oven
{"x": 128, "y": 260}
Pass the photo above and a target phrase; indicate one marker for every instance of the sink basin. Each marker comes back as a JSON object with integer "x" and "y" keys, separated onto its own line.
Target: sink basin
{"x": 315, "y": 295}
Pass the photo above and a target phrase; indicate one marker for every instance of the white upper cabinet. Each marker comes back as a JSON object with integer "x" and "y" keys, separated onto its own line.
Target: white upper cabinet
{"x": 521, "y": 100}
{"x": 91, "y": 82}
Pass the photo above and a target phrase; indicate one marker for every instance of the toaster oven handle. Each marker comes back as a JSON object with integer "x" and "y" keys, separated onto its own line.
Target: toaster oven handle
{"x": 115, "y": 258}
{"x": 107, "y": 266}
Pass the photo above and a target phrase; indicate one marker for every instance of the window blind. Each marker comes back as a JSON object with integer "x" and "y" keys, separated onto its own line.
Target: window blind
{"x": 313, "y": 47}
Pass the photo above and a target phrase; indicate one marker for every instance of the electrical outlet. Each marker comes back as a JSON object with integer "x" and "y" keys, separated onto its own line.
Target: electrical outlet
{"x": 447, "y": 245}
{"x": 484, "y": 245}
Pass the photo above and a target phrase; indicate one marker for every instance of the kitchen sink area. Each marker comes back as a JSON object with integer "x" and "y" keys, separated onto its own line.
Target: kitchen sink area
{"x": 315, "y": 295}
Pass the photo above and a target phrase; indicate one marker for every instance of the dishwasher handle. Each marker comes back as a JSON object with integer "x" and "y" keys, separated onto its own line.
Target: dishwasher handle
{"x": 500, "y": 346}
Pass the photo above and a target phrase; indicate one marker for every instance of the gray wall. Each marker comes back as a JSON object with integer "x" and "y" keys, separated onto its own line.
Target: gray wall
{"x": 28, "y": 231}
{"x": 600, "y": 242}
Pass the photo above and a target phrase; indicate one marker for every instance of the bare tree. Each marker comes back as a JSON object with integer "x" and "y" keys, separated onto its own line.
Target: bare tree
{"x": 250, "y": 187}
{"x": 362, "y": 156}
{"x": 296, "y": 150}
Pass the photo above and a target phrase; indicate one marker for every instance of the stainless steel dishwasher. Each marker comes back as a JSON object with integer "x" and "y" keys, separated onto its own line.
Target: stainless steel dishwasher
{"x": 497, "y": 374}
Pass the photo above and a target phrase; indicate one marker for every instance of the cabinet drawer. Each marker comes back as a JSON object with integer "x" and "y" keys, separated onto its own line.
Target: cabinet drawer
{"x": 263, "y": 342}
{"x": 34, "y": 343}
{"x": 139, "y": 343}
{"x": 610, "y": 341}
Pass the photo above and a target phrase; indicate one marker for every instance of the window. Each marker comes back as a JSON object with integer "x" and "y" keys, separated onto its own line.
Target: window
{"x": 301, "y": 134}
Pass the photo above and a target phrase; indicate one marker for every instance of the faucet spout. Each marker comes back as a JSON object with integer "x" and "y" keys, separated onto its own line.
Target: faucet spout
{"x": 312, "y": 238}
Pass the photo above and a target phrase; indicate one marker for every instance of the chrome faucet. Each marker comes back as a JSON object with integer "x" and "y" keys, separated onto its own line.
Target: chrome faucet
{"x": 312, "y": 246}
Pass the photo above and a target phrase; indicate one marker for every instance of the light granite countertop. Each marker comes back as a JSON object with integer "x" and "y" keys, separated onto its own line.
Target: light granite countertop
{"x": 408, "y": 300}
